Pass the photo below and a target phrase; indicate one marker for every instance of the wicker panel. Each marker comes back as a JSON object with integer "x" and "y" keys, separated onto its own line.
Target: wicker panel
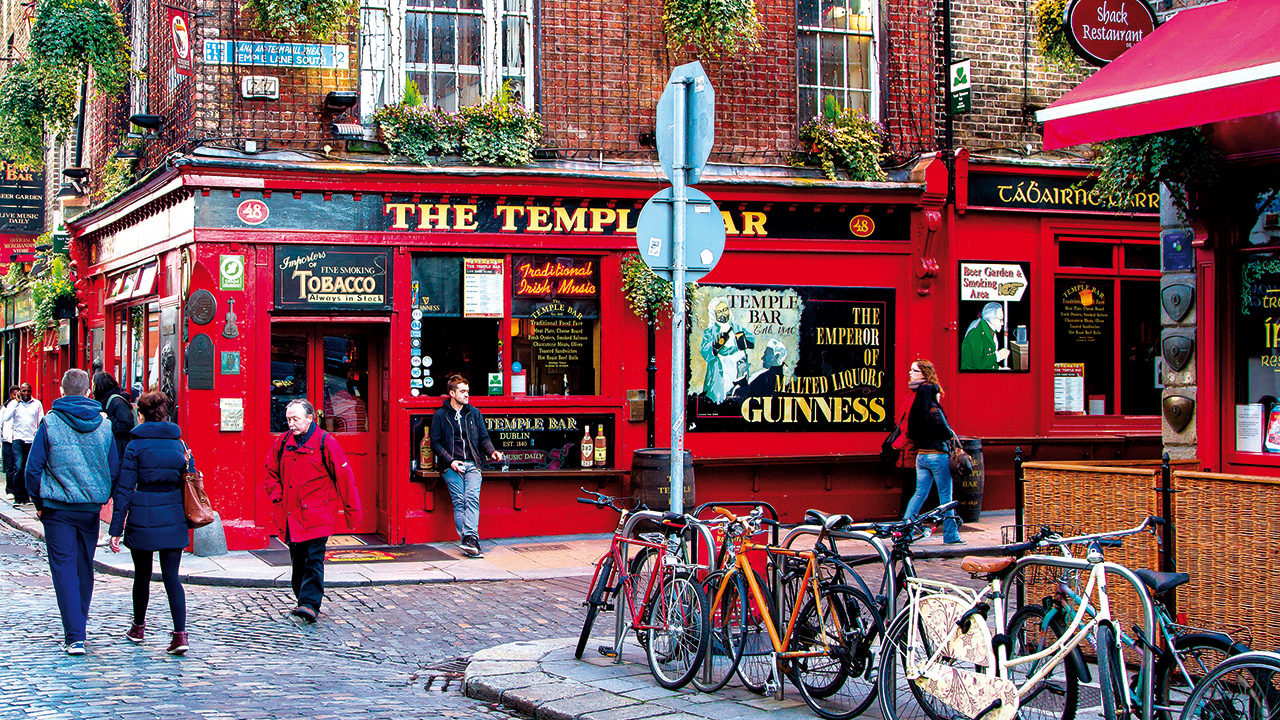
{"x": 1094, "y": 498}
{"x": 1227, "y": 541}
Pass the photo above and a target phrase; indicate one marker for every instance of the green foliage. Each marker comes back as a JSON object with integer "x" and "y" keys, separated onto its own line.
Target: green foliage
{"x": 15, "y": 278}
{"x": 649, "y": 295}
{"x": 500, "y": 131}
{"x": 46, "y": 289}
{"x": 712, "y": 26}
{"x": 496, "y": 132}
{"x": 69, "y": 34}
{"x": 1177, "y": 158}
{"x": 1051, "y": 35}
{"x": 313, "y": 19}
{"x": 848, "y": 139}
{"x": 115, "y": 177}
{"x": 34, "y": 101}
{"x": 412, "y": 96}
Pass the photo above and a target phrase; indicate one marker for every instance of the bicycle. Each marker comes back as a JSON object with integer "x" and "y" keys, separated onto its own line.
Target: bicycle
{"x": 828, "y": 648}
{"x": 667, "y": 608}
{"x": 1244, "y": 687}
{"x": 1183, "y": 657}
{"x": 947, "y": 654}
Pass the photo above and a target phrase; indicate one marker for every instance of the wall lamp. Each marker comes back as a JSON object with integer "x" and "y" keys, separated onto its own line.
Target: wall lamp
{"x": 76, "y": 173}
{"x": 347, "y": 131}
{"x": 340, "y": 101}
{"x": 70, "y": 189}
{"x": 128, "y": 154}
{"x": 150, "y": 123}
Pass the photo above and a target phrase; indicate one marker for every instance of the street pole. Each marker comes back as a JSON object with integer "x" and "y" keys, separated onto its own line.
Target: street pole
{"x": 680, "y": 199}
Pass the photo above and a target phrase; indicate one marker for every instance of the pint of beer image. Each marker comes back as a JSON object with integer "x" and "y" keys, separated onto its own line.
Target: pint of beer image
{"x": 1086, "y": 296}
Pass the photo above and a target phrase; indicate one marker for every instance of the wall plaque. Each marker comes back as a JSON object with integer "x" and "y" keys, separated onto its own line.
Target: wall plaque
{"x": 201, "y": 307}
{"x": 200, "y": 363}
{"x": 1177, "y": 299}
{"x": 330, "y": 277}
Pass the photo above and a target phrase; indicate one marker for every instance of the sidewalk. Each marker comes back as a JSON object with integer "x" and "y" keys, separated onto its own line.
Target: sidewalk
{"x": 510, "y": 559}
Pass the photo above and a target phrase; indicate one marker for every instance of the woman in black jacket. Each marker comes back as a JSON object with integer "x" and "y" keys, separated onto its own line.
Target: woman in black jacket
{"x": 928, "y": 431}
{"x": 148, "y": 513}
{"x": 116, "y": 404}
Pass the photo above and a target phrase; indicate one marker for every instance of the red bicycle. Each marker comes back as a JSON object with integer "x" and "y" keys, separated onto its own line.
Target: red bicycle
{"x": 667, "y": 607}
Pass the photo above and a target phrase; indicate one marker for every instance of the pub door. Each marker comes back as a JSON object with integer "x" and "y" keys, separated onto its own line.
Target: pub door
{"x": 336, "y": 367}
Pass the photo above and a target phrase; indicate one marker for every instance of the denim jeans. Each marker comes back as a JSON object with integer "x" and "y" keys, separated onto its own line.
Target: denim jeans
{"x": 71, "y": 537}
{"x": 464, "y": 491}
{"x": 21, "y": 449}
{"x": 934, "y": 468}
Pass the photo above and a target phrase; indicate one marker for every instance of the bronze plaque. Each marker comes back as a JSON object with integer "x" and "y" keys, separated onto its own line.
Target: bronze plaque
{"x": 201, "y": 306}
{"x": 200, "y": 365}
{"x": 1179, "y": 410}
{"x": 1177, "y": 299}
{"x": 1177, "y": 350}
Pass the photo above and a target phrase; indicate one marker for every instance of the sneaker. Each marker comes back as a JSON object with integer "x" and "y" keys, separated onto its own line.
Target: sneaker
{"x": 303, "y": 612}
{"x": 179, "y": 644}
{"x": 74, "y": 648}
{"x": 136, "y": 631}
{"x": 471, "y": 547}
{"x": 957, "y": 541}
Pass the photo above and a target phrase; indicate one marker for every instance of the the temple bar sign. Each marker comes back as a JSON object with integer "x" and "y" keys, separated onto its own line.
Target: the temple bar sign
{"x": 325, "y": 277}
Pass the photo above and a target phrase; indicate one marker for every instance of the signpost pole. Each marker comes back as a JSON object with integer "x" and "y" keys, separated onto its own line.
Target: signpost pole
{"x": 679, "y": 199}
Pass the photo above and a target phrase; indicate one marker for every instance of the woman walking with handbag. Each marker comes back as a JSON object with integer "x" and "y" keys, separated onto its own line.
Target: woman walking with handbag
{"x": 149, "y": 514}
{"x": 929, "y": 432}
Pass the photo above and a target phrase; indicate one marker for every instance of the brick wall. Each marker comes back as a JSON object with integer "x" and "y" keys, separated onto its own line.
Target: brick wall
{"x": 603, "y": 67}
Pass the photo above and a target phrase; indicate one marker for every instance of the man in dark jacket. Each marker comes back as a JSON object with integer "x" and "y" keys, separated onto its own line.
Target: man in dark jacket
{"x": 460, "y": 442}
{"x": 308, "y": 473}
{"x": 70, "y": 475}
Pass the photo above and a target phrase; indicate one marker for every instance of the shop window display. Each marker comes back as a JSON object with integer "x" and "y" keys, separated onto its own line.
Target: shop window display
{"x": 1257, "y": 330}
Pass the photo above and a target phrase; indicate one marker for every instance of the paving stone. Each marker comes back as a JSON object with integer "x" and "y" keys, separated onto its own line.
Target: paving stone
{"x": 629, "y": 712}
{"x": 500, "y": 667}
{"x": 528, "y": 700}
{"x": 572, "y": 707}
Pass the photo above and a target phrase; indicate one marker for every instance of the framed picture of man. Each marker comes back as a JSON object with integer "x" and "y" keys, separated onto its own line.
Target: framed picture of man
{"x": 995, "y": 317}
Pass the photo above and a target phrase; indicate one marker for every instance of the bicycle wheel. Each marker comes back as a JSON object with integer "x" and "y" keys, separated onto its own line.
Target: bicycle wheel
{"x": 1244, "y": 687}
{"x": 679, "y": 630}
{"x": 844, "y": 627}
{"x": 1054, "y": 697}
{"x": 755, "y": 647}
{"x": 1109, "y": 664}
{"x": 595, "y": 600}
{"x": 902, "y": 697}
{"x": 722, "y": 655}
{"x": 1200, "y": 653}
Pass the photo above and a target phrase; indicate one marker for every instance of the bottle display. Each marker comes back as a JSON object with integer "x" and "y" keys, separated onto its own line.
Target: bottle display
{"x": 426, "y": 461}
{"x": 588, "y": 448}
{"x": 602, "y": 451}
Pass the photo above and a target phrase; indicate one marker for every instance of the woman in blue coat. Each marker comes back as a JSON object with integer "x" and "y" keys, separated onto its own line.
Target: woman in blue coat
{"x": 148, "y": 513}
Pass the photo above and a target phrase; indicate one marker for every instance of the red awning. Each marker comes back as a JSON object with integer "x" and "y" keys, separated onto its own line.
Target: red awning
{"x": 1207, "y": 64}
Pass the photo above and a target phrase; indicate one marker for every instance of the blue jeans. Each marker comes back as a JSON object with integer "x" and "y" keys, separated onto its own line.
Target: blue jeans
{"x": 72, "y": 538}
{"x": 21, "y": 449}
{"x": 934, "y": 468}
{"x": 464, "y": 491}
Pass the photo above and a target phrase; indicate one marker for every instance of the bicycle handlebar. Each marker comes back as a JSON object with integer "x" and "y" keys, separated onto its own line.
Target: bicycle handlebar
{"x": 1049, "y": 539}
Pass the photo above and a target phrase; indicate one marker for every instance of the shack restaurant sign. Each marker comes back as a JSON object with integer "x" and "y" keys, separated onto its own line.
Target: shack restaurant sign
{"x": 323, "y": 277}
{"x": 1100, "y": 30}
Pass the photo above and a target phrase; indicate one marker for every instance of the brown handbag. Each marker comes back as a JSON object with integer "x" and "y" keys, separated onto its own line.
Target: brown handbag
{"x": 195, "y": 503}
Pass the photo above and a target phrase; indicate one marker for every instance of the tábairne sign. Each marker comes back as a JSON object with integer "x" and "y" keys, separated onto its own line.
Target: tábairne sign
{"x": 808, "y": 359}
{"x": 1101, "y": 30}
{"x": 998, "y": 190}
{"x": 326, "y": 277}
{"x": 522, "y": 215}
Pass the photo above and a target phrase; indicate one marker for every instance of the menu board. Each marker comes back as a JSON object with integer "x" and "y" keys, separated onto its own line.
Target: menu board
{"x": 560, "y": 338}
{"x": 1084, "y": 311}
{"x": 1068, "y": 388}
{"x": 802, "y": 359}
{"x": 482, "y": 294}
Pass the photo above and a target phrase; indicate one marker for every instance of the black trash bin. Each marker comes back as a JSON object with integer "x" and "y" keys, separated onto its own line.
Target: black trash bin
{"x": 651, "y": 478}
{"x": 968, "y": 492}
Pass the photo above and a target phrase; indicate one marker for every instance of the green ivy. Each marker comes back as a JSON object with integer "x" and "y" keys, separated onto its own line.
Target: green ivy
{"x": 1134, "y": 165}
{"x": 712, "y": 26}
{"x": 313, "y": 19}
{"x": 48, "y": 288}
{"x": 15, "y": 278}
{"x": 34, "y": 102}
{"x": 648, "y": 295}
{"x": 70, "y": 34}
{"x": 497, "y": 132}
{"x": 116, "y": 177}
{"x": 1051, "y": 35}
{"x": 847, "y": 139}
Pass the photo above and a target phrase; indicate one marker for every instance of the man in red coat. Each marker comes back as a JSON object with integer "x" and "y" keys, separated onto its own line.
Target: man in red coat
{"x": 308, "y": 473}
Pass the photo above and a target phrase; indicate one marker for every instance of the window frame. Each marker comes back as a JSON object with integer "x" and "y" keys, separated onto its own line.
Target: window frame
{"x": 873, "y": 60}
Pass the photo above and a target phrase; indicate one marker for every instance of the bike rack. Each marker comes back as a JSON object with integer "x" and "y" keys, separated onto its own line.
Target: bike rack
{"x": 713, "y": 563}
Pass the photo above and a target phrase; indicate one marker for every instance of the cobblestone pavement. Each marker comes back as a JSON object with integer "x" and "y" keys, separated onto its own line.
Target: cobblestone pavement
{"x": 378, "y": 652}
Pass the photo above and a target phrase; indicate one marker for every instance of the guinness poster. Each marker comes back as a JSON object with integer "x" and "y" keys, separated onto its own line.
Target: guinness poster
{"x": 803, "y": 359}
{"x": 325, "y": 277}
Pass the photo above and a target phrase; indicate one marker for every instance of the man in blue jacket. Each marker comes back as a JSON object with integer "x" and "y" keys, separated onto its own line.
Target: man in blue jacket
{"x": 70, "y": 475}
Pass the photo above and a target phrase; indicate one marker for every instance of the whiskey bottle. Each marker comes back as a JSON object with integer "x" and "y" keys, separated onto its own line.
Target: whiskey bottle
{"x": 602, "y": 452}
{"x": 588, "y": 448}
{"x": 426, "y": 460}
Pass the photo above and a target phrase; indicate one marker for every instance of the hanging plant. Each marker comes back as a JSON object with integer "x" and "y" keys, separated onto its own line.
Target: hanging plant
{"x": 648, "y": 295}
{"x": 418, "y": 132}
{"x": 34, "y": 102}
{"x": 15, "y": 278}
{"x": 118, "y": 173}
{"x": 846, "y": 139}
{"x": 499, "y": 131}
{"x": 313, "y": 19}
{"x": 47, "y": 288}
{"x": 1051, "y": 35}
{"x": 1134, "y": 165}
{"x": 714, "y": 27}
{"x": 70, "y": 34}
{"x": 137, "y": 316}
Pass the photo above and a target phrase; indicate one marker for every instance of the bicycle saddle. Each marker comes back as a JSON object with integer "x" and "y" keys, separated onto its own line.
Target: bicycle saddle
{"x": 835, "y": 523}
{"x": 815, "y": 517}
{"x": 1162, "y": 582}
{"x": 989, "y": 566}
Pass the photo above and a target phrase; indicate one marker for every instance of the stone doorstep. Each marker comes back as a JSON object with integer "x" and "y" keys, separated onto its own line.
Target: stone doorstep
{"x": 528, "y": 700}
{"x": 570, "y": 708}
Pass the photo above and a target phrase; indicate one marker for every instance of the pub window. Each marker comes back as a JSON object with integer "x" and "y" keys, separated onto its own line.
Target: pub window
{"x": 1107, "y": 328}
{"x": 836, "y": 55}
{"x": 532, "y": 321}
{"x": 1257, "y": 330}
